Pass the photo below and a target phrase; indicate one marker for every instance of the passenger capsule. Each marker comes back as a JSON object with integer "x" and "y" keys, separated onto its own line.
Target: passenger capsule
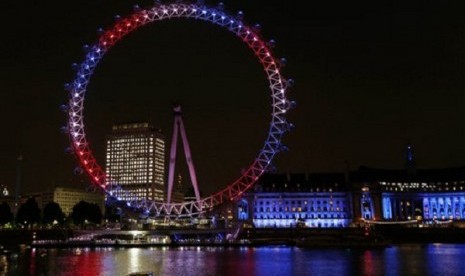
{"x": 240, "y": 15}
{"x": 64, "y": 129}
{"x": 290, "y": 83}
{"x": 64, "y": 107}
{"x": 271, "y": 43}
{"x": 78, "y": 170}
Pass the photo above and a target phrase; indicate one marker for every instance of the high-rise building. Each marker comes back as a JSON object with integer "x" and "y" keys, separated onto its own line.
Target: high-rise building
{"x": 135, "y": 161}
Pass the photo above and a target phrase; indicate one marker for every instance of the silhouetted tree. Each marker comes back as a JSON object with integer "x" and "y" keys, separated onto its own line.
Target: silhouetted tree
{"x": 112, "y": 213}
{"x": 95, "y": 214}
{"x": 52, "y": 211}
{"x": 83, "y": 211}
{"x": 5, "y": 213}
{"x": 28, "y": 212}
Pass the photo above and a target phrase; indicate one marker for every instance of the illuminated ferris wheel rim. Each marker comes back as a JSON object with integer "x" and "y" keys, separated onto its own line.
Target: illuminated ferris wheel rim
{"x": 217, "y": 16}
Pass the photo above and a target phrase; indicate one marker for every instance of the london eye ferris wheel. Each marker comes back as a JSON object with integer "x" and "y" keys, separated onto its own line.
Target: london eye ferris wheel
{"x": 250, "y": 35}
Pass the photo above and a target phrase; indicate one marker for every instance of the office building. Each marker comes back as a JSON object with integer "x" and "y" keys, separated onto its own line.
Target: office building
{"x": 135, "y": 162}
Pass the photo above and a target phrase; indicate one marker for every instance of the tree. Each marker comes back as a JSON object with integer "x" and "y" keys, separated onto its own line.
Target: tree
{"x": 5, "y": 213}
{"x": 84, "y": 211}
{"x": 95, "y": 213}
{"x": 112, "y": 213}
{"x": 52, "y": 212}
{"x": 28, "y": 212}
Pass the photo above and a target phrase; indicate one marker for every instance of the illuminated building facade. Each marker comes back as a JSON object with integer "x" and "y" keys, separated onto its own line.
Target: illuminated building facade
{"x": 435, "y": 194}
{"x": 290, "y": 200}
{"x": 135, "y": 162}
{"x": 367, "y": 194}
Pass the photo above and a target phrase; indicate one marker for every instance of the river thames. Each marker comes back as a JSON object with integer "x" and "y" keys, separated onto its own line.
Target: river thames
{"x": 406, "y": 259}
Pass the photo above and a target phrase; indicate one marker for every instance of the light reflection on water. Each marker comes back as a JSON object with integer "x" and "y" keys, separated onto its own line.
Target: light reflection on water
{"x": 415, "y": 259}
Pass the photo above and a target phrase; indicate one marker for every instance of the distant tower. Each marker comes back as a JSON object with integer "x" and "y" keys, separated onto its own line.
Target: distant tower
{"x": 135, "y": 161}
{"x": 18, "y": 177}
{"x": 177, "y": 193}
{"x": 410, "y": 164}
{"x": 179, "y": 186}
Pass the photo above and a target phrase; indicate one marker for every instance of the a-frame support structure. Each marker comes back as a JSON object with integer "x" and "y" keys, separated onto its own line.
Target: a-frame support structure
{"x": 179, "y": 127}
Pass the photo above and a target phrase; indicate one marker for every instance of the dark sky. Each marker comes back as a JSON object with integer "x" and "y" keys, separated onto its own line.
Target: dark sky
{"x": 370, "y": 77}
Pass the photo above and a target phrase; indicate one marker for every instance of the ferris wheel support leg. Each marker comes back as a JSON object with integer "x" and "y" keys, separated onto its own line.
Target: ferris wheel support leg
{"x": 174, "y": 141}
{"x": 190, "y": 162}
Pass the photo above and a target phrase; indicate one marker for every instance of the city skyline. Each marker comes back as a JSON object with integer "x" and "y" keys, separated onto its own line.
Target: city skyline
{"x": 369, "y": 79}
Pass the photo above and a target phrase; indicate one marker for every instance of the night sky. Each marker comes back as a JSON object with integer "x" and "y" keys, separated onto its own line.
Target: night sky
{"x": 370, "y": 78}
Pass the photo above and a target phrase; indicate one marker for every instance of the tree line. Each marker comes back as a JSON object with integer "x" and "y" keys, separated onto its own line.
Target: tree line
{"x": 29, "y": 214}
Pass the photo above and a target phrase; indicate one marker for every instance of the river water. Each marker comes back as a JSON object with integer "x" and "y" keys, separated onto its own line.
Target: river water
{"x": 412, "y": 259}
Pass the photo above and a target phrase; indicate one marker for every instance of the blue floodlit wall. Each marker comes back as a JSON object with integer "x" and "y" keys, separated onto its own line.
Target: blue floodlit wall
{"x": 299, "y": 200}
{"x": 430, "y": 206}
{"x": 312, "y": 209}
{"x": 339, "y": 199}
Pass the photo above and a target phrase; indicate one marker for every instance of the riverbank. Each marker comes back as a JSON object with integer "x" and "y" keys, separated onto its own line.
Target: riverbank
{"x": 392, "y": 234}
{"x": 378, "y": 236}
